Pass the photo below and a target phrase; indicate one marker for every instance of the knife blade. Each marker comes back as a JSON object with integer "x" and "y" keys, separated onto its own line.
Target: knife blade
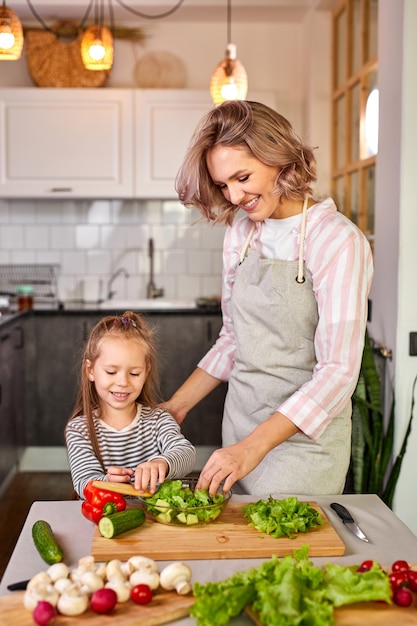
{"x": 348, "y": 521}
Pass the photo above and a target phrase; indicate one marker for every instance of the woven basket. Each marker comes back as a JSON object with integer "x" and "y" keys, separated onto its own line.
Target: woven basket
{"x": 55, "y": 61}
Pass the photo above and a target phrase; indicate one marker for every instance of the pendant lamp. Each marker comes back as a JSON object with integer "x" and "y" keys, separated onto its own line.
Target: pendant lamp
{"x": 229, "y": 80}
{"x": 11, "y": 35}
{"x": 97, "y": 48}
{"x": 97, "y": 43}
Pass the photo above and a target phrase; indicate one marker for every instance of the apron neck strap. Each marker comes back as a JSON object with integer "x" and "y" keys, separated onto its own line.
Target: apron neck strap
{"x": 300, "y": 275}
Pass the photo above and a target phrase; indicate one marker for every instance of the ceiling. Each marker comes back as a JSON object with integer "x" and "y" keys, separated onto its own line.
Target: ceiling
{"x": 190, "y": 10}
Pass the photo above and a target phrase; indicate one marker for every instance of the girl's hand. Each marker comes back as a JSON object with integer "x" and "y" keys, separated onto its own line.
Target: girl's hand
{"x": 119, "y": 474}
{"x": 148, "y": 474}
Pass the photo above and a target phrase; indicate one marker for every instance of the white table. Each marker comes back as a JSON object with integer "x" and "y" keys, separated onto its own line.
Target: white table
{"x": 389, "y": 539}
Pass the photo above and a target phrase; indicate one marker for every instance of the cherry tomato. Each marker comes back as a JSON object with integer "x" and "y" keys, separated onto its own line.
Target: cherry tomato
{"x": 403, "y": 597}
{"x": 141, "y": 594}
{"x": 412, "y": 580}
{"x": 400, "y": 566}
{"x": 365, "y": 566}
{"x": 398, "y": 580}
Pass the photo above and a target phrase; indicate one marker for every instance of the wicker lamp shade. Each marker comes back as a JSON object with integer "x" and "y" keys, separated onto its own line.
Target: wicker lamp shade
{"x": 229, "y": 80}
{"x": 11, "y": 35}
{"x": 97, "y": 48}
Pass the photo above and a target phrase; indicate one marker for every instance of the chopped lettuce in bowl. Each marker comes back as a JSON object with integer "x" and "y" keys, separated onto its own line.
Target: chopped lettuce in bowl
{"x": 178, "y": 502}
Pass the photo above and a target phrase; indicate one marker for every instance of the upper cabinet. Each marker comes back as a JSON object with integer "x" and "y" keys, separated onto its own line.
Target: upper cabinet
{"x": 165, "y": 121}
{"x": 66, "y": 143}
{"x": 97, "y": 143}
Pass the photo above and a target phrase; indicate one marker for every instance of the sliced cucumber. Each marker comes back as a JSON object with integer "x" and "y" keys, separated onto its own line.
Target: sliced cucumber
{"x": 118, "y": 523}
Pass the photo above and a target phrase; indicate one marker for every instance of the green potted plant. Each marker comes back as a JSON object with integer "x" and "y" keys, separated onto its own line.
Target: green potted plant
{"x": 373, "y": 468}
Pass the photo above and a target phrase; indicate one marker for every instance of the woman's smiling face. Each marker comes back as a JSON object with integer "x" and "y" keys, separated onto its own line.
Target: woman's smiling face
{"x": 245, "y": 181}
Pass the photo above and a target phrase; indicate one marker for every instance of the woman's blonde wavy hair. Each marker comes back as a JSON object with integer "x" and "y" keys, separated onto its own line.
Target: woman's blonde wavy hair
{"x": 267, "y": 135}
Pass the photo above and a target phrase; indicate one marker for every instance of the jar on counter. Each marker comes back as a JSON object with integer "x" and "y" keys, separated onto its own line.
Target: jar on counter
{"x": 24, "y": 295}
{"x": 4, "y": 305}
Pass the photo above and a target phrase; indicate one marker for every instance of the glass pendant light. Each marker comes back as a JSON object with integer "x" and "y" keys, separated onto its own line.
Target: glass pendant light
{"x": 229, "y": 80}
{"x": 11, "y": 35}
{"x": 97, "y": 44}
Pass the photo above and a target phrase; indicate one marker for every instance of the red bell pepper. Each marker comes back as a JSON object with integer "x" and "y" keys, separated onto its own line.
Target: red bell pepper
{"x": 99, "y": 502}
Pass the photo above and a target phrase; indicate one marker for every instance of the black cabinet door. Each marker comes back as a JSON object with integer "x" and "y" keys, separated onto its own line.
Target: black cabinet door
{"x": 182, "y": 342}
{"x": 8, "y": 409}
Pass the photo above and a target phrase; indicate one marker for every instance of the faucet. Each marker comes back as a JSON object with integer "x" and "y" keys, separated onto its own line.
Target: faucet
{"x": 151, "y": 290}
{"x": 112, "y": 278}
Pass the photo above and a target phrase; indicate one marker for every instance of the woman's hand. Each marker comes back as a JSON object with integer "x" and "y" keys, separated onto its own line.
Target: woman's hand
{"x": 148, "y": 474}
{"x": 117, "y": 474}
{"x": 228, "y": 465}
{"x": 236, "y": 461}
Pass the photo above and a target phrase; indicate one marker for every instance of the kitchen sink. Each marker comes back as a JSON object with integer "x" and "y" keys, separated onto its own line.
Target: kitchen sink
{"x": 147, "y": 304}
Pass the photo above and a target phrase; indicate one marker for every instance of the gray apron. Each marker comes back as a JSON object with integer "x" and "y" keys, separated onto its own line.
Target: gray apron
{"x": 275, "y": 319}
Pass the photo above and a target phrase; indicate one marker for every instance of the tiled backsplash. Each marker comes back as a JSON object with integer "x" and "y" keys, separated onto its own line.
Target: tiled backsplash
{"x": 90, "y": 240}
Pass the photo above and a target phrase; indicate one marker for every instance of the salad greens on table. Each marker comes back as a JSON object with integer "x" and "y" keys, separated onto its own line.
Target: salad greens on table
{"x": 282, "y": 518}
{"x": 290, "y": 591}
{"x": 172, "y": 495}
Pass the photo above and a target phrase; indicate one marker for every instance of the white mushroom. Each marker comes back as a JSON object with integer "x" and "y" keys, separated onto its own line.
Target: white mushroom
{"x": 122, "y": 589}
{"x": 87, "y": 562}
{"x": 58, "y": 570}
{"x": 41, "y": 591}
{"x": 101, "y": 570}
{"x": 40, "y": 577}
{"x": 90, "y": 582}
{"x": 145, "y": 576}
{"x": 176, "y": 576}
{"x": 126, "y": 568}
{"x": 61, "y": 584}
{"x": 143, "y": 561}
{"x": 72, "y": 602}
{"x": 114, "y": 568}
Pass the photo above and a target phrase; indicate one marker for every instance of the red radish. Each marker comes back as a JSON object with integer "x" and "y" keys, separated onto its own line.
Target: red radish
{"x": 44, "y": 612}
{"x": 103, "y": 600}
{"x": 403, "y": 597}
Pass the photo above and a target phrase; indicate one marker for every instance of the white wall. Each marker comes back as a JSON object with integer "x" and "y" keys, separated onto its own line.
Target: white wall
{"x": 92, "y": 239}
{"x": 394, "y": 288}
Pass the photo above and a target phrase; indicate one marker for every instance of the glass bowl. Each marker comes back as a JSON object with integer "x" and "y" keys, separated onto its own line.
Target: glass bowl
{"x": 179, "y": 503}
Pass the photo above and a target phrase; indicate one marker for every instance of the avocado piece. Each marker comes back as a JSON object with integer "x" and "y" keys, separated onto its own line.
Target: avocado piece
{"x": 192, "y": 519}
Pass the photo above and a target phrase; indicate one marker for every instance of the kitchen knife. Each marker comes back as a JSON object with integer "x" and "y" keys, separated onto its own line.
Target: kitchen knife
{"x": 22, "y": 584}
{"x": 348, "y": 521}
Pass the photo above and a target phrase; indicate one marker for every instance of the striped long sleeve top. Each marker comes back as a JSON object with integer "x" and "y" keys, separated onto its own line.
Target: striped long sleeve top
{"x": 339, "y": 258}
{"x": 153, "y": 433}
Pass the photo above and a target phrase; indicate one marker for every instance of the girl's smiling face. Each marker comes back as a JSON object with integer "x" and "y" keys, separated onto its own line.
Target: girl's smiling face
{"x": 119, "y": 374}
{"x": 245, "y": 181}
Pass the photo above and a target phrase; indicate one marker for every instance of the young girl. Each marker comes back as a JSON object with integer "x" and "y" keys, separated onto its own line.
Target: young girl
{"x": 116, "y": 432}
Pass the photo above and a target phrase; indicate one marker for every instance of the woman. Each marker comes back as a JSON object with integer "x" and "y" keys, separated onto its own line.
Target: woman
{"x": 296, "y": 279}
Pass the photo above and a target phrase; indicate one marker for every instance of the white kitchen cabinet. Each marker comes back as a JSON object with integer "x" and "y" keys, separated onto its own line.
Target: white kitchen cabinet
{"x": 165, "y": 122}
{"x": 66, "y": 143}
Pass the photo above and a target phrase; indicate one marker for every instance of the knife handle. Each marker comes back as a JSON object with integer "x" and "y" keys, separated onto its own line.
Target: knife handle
{"x": 342, "y": 512}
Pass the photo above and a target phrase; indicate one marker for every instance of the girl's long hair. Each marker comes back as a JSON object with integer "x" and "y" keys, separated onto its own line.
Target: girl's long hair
{"x": 130, "y": 326}
{"x": 265, "y": 134}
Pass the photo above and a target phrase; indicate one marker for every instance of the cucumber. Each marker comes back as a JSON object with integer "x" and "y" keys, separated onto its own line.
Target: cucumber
{"x": 45, "y": 542}
{"x": 118, "y": 523}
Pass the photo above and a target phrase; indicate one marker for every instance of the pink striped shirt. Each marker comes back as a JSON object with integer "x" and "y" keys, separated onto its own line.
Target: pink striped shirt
{"x": 339, "y": 258}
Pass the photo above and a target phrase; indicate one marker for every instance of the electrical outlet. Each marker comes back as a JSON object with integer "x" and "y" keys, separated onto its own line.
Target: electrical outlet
{"x": 413, "y": 344}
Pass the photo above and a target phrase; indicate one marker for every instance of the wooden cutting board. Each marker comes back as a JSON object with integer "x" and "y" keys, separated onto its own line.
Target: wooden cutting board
{"x": 165, "y": 607}
{"x": 369, "y": 613}
{"x": 168, "y": 607}
{"x": 229, "y": 537}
